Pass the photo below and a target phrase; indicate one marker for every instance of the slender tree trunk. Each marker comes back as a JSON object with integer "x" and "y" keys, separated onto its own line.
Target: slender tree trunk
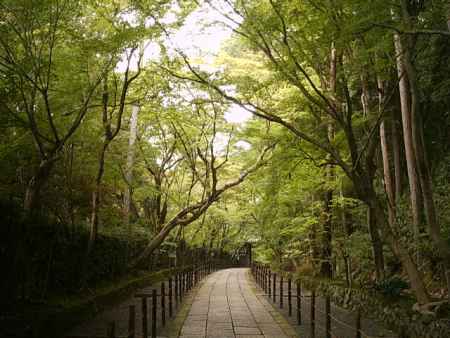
{"x": 388, "y": 184}
{"x": 396, "y": 156}
{"x": 424, "y": 172}
{"x": 313, "y": 249}
{"x": 373, "y": 223}
{"x": 96, "y": 198}
{"x": 407, "y": 134}
{"x": 69, "y": 183}
{"x": 347, "y": 221}
{"x": 377, "y": 244}
{"x": 93, "y": 233}
{"x": 414, "y": 275}
{"x": 154, "y": 244}
{"x": 348, "y": 270}
{"x": 130, "y": 163}
{"x": 366, "y": 193}
{"x": 364, "y": 95}
{"x": 448, "y": 17}
{"x": 35, "y": 184}
{"x": 326, "y": 267}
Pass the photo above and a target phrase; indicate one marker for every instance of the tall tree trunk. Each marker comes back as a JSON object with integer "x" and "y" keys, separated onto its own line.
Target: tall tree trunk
{"x": 35, "y": 184}
{"x": 414, "y": 275}
{"x": 373, "y": 223}
{"x": 448, "y": 17}
{"x": 348, "y": 228}
{"x": 388, "y": 184}
{"x": 93, "y": 232}
{"x": 69, "y": 183}
{"x": 377, "y": 244}
{"x": 96, "y": 198}
{"x": 326, "y": 267}
{"x": 130, "y": 163}
{"x": 407, "y": 134}
{"x": 364, "y": 95}
{"x": 424, "y": 172}
{"x": 396, "y": 149}
{"x": 366, "y": 193}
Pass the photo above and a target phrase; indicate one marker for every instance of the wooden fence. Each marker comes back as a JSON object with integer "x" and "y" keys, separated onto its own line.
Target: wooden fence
{"x": 166, "y": 298}
{"x": 269, "y": 281}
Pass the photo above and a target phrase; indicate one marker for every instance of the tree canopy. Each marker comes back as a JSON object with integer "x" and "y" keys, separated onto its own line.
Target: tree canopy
{"x": 338, "y": 167}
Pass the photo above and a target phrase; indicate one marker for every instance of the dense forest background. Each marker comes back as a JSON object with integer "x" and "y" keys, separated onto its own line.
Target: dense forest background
{"x": 117, "y": 148}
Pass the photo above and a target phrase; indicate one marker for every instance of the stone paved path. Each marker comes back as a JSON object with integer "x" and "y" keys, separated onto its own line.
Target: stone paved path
{"x": 226, "y": 306}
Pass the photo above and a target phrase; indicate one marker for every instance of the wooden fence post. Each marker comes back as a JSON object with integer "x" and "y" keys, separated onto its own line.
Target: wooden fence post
{"x": 188, "y": 280}
{"x": 274, "y": 287}
{"x": 299, "y": 303}
{"x": 327, "y": 317}
{"x": 281, "y": 291}
{"x": 189, "y": 275}
{"x": 154, "y": 309}
{"x": 176, "y": 290}
{"x": 131, "y": 321}
{"x": 144, "y": 317}
{"x": 111, "y": 330}
{"x": 163, "y": 304}
{"x": 266, "y": 280}
{"x": 290, "y": 296}
{"x": 180, "y": 285}
{"x": 258, "y": 275}
{"x": 170, "y": 297}
{"x": 358, "y": 324}
{"x": 270, "y": 284}
{"x": 313, "y": 314}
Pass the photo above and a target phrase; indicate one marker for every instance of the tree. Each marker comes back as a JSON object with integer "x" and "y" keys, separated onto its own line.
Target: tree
{"x": 36, "y": 41}
{"x": 130, "y": 163}
{"x": 420, "y": 176}
{"x": 286, "y": 54}
{"x": 205, "y": 164}
{"x": 110, "y": 132}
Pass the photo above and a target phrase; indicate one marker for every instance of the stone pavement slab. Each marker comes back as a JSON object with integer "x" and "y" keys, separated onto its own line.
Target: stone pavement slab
{"x": 226, "y": 306}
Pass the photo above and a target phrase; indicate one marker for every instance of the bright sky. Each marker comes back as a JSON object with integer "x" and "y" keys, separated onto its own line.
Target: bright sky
{"x": 202, "y": 35}
{"x": 237, "y": 114}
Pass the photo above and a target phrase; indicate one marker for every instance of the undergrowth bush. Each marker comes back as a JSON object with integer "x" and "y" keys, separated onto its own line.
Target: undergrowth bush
{"x": 40, "y": 257}
{"x": 391, "y": 287}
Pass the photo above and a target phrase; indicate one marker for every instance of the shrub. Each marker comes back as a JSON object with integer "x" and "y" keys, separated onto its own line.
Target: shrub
{"x": 392, "y": 287}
